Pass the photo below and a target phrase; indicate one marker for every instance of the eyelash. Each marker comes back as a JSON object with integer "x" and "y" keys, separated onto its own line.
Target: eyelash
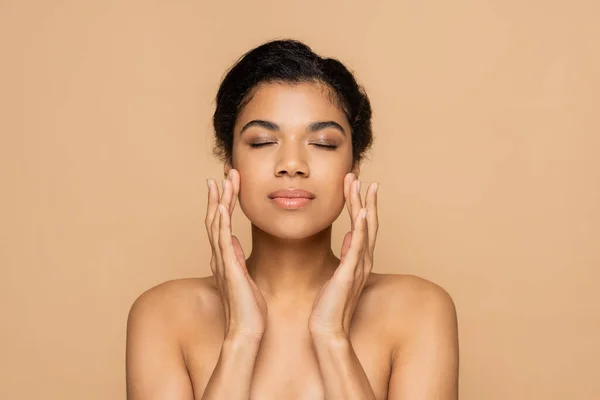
{"x": 324, "y": 146}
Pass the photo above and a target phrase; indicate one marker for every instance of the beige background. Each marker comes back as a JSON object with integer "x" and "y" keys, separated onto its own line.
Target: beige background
{"x": 487, "y": 144}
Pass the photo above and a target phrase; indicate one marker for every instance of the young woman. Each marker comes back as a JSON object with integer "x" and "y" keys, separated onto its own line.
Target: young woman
{"x": 292, "y": 321}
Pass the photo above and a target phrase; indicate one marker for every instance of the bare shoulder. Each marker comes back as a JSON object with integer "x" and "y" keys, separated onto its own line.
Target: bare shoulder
{"x": 421, "y": 320}
{"x": 413, "y": 303}
{"x": 411, "y": 288}
{"x": 156, "y": 326}
{"x": 176, "y": 303}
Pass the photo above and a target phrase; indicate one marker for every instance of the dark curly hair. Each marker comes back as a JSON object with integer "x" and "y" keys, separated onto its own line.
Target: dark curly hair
{"x": 289, "y": 61}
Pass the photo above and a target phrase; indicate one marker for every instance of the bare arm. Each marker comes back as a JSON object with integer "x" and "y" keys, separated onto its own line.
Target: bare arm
{"x": 244, "y": 306}
{"x": 156, "y": 367}
{"x": 232, "y": 376}
{"x": 343, "y": 375}
{"x": 154, "y": 363}
{"x": 425, "y": 367}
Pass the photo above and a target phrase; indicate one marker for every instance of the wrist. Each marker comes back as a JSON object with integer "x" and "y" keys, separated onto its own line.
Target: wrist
{"x": 235, "y": 341}
{"x": 238, "y": 349}
{"x": 330, "y": 339}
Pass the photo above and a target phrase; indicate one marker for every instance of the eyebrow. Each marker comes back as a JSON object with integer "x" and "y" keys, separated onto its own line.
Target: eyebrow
{"x": 314, "y": 127}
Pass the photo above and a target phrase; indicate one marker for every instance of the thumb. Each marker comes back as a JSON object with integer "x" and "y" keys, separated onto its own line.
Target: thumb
{"x": 239, "y": 252}
{"x": 345, "y": 245}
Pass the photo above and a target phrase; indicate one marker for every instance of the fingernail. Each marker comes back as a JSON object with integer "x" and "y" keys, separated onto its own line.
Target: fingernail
{"x": 221, "y": 209}
{"x": 375, "y": 187}
{"x": 358, "y": 186}
{"x": 208, "y": 183}
{"x": 229, "y": 175}
{"x": 364, "y": 213}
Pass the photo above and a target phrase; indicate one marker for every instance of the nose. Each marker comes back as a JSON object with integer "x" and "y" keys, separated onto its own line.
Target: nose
{"x": 291, "y": 161}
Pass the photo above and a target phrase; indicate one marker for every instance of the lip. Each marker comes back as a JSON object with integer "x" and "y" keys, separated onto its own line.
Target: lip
{"x": 291, "y": 198}
{"x": 291, "y": 203}
{"x": 292, "y": 193}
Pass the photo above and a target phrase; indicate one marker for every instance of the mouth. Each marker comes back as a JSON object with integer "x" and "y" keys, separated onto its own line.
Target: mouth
{"x": 291, "y": 199}
{"x": 291, "y": 203}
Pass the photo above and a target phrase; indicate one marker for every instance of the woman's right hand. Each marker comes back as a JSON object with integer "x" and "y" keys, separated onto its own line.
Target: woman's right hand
{"x": 244, "y": 305}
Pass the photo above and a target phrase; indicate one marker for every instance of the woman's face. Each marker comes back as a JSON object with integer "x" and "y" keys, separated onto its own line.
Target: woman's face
{"x": 292, "y": 136}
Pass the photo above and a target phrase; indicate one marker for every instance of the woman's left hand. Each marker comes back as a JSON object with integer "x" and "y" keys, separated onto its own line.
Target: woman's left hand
{"x": 334, "y": 306}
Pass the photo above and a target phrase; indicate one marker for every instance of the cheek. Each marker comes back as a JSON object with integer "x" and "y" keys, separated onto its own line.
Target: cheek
{"x": 336, "y": 196}
{"x": 331, "y": 190}
{"x": 253, "y": 189}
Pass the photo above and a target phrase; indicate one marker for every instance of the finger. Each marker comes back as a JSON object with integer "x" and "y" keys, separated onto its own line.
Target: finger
{"x": 227, "y": 193}
{"x": 239, "y": 252}
{"x": 234, "y": 177}
{"x": 211, "y": 208}
{"x": 230, "y": 263}
{"x": 345, "y": 246}
{"x": 362, "y": 225}
{"x": 372, "y": 218}
{"x": 353, "y": 257}
{"x": 215, "y": 232}
{"x": 348, "y": 179}
{"x": 213, "y": 264}
{"x": 356, "y": 201}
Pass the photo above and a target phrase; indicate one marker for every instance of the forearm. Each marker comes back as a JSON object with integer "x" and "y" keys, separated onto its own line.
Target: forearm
{"x": 232, "y": 376}
{"x": 343, "y": 375}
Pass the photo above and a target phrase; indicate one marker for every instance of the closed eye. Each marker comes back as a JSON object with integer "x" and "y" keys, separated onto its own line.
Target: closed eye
{"x": 326, "y": 146}
{"x": 260, "y": 144}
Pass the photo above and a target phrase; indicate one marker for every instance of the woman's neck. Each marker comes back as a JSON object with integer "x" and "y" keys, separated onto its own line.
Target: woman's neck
{"x": 291, "y": 270}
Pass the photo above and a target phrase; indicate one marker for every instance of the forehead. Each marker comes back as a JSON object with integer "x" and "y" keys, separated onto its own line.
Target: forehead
{"x": 292, "y": 104}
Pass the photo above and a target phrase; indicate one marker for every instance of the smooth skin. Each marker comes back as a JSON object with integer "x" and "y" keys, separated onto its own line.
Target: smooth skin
{"x": 292, "y": 320}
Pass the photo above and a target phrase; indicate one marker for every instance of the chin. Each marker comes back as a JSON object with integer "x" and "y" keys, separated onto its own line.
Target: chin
{"x": 292, "y": 225}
